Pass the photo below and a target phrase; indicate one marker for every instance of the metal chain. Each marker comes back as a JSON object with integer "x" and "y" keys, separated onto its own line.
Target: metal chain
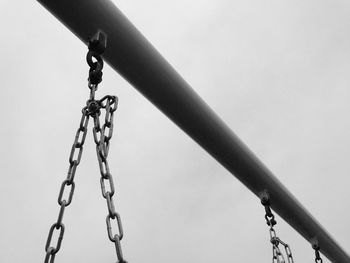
{"x": 102, "y": 136}
{"x": 318, "y": 258}
{"x": 277, "y": 255}
{"x": 74, "y": 160}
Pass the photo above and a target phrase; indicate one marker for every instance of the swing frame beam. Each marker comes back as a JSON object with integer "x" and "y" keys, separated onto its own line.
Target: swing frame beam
{"x": 135, "y": 59}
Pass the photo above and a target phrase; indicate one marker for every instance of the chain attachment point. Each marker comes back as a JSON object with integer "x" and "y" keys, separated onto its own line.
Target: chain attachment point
{"x": 97, "y": 45}
{"x": 277, "y": 255}
{"x": 93, "y": 107}
{"x": 316, "y": 247}
{"x": 98, "y": 42}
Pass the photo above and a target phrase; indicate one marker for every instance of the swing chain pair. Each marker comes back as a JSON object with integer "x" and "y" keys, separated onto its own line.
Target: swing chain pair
{"x": 318, "y": 258}
{"x": 102, "y": 136}
{"x": 277, "y": 255}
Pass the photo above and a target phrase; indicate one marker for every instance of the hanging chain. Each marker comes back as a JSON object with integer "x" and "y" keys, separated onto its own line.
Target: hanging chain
{"x": 318, "y": 258}
{"x": 277, "y": 255}
{"x": 102, "y": 136}
{"x": 74, "y": 160}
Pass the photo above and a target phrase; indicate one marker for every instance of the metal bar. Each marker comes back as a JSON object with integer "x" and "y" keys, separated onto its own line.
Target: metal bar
{"x": 130, "y": 54}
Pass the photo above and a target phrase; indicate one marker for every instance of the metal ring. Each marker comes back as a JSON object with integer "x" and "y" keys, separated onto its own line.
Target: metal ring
{"x": 72, "y": 152}
{"x": 71, "y": 192}
{"x": 111, "y": 186}
{"x": 59, "y": 241}
{"x": 109, "y": 227}
{"x": 95, "y": 65}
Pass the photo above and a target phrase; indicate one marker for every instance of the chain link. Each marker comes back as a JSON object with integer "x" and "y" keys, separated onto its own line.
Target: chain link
{"x": 67, "y": 183}
{"x": 289, "y": 253}
{"x": 277, "y": 255}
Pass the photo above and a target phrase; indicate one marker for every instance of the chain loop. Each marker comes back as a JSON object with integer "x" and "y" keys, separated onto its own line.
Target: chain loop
{"x": 59, "y": 240}
{"x": 289, "y": 253}
{"x": 103, "y": 187}
{"x": 109, "y": 227}
{"x": 71, "y": 192}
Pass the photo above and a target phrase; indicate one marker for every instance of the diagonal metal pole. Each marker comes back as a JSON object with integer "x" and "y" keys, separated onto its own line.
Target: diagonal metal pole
{"x": 130, "y": 54}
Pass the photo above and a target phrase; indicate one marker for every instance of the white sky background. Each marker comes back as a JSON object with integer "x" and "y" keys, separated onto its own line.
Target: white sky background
{"x": 275, "y": 71}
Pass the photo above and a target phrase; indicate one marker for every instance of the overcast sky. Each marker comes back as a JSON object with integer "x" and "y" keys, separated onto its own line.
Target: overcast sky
{"x": 277, "y": 72}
